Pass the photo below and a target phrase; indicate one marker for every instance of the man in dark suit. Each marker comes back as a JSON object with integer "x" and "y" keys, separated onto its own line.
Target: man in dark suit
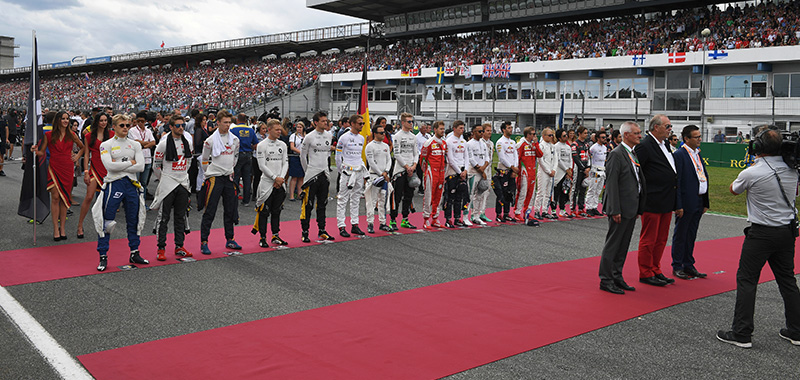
{"x": 622, "y": 201}
{"x": 691, "y": 202}
{"x": 658, "y": 167}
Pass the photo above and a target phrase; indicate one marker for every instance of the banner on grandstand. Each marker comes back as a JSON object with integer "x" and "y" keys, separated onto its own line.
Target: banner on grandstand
{"x": 717, "y": 54}
{"x": 677, "y": 57}
{"x": 466, "y": 71}
{"x": 414, "y": 72}
{"x": 34, "y": 200}
{"x": 638, "y": 59}
{"x": 439, "y": 75}
{"x": 449, "y": 69}
{"x": 496, "y": 70}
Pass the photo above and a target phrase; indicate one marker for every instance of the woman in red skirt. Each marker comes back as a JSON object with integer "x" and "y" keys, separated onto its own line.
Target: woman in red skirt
{"x": 60, "y": 170}
{"x": 95, "y": 171}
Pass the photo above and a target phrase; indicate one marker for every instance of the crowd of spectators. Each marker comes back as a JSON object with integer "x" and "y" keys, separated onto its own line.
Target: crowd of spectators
{"x": 237, "y": 85}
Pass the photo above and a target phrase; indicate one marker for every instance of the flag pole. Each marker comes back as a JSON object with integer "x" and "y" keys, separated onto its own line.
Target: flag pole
{"x": 35, "y": 159}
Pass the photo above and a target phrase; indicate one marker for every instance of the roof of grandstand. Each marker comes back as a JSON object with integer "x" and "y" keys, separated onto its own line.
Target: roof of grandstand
{"x": 404, "y": 18}
{"x": 340, "y": 37}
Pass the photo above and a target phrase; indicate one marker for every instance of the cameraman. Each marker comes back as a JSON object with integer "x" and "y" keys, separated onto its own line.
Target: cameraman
{"x": 770, "y": 184}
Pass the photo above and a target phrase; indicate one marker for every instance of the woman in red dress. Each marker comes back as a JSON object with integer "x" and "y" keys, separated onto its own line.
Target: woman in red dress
{"x": 95, "y": 171}
{"x": 60, "y": 170}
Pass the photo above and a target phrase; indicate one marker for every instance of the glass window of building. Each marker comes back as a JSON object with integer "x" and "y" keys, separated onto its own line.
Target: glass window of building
{"x": 694, "y": 100}
{"x": 447, "y": 92}
{"x": 625, "y": 88}
{"x": 794, "y": 85}
{"x": 502, "y": 91}
{"x": 658, "y": 100}
{"x": 490, "y": 90}
{"x": 678, "y": 79}
{"x": 513, "y": 89}
{"x": 610, "y": 88}
{"x": 661, "y": 79}
{"x": 538, "y": 89}
{"x": 477, "y": 91}
{"x": 578, "y": 89}
{"x": 677, "y": 100}
{"x": 526, "y": 90}
{"x": 717, "y": 87}
{"x": 696, "y": 80}
{"x": 780, "y": 85}
{"x": 467, "y": 92}
{"x": 592, "y": 89}
{"x": 640, "y": 87}
{"x": 550, "y": 90}
{"x": 459, "y": 91}
{"x": 566, "y": 89}
{"x": 737, "y": 86}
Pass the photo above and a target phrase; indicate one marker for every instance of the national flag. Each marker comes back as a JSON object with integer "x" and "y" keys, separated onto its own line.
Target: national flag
{"x": 561, "y": 113}
{"x": 439, "y": 75}
{"x": 504, "y": 71}
{"x": 449, "y": 70}
{"x": 717, "y": 54}
{"x": 414, "y": 72}
{"x": 34, "y": 200}
{"x": 639, "y": 58}
{"x": 363, "y": 108}
{"x": 404, "y": 73}
{"x": 162, "y": 44}
{"x": 677, "y": 57}
{"x": 86, "y": 75}
{"x": 488, "y": 70}
{"x": 466, "y": 71}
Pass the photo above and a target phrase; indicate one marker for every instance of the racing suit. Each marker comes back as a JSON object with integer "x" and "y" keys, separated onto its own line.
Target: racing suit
{"x": 528, "y": 152}
{"x": 456, "y": 190}
{"x": 597, "y": 176}
{"x": 580, "y": 156}
{"x": 433, "y": 158}
{"x": 351, "y": 177}
{"x": 502, "y": 182}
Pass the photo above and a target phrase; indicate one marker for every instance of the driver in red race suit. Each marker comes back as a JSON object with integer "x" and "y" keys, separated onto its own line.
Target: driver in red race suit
{"x": 528, "y": 151}
{"x": 434, "y": 161}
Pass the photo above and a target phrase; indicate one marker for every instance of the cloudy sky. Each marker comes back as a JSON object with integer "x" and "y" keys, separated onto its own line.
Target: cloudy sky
{"x": 69, "y": 28}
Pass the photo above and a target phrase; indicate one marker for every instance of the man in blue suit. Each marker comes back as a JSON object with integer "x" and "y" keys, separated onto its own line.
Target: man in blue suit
{"x": 691, "y": 203}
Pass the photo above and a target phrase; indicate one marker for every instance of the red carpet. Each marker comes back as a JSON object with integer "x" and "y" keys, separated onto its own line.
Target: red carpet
{"x": 24, "y": 266}
{"x": 422, "y": 333}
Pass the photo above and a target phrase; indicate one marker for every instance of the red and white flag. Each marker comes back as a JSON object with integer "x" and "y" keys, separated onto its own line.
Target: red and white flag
{"x": 677, "y": 57}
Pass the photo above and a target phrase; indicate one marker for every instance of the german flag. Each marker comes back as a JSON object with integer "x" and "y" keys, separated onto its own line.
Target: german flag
{"x": 363, "y": 107}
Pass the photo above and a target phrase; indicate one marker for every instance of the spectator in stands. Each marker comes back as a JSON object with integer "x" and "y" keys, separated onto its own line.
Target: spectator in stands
{"x": 719, "y": 137}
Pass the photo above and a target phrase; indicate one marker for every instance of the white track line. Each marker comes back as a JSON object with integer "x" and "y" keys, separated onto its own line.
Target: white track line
{"x": 62, "y": 362}
{"x": 728, "y": 216}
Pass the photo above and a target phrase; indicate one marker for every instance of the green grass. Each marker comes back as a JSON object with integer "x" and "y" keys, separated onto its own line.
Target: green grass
{"x": 720, "y": 197}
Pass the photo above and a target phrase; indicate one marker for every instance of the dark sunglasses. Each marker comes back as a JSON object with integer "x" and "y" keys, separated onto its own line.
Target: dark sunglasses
{"x": 124, "y": 125}
{"x": 179, "y": 125}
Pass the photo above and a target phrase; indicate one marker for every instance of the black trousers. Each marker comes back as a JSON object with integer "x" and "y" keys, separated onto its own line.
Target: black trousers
{"x": 314, "y": 193}
{"x": 216, "y": 188}
{"x": 271, "y": 208}
{"x": 176, "y": 202}
{"x": 256, "y": 176}
{"x": 456, "y": 194}
{"x": 244, "y": 171}
{"x": 579, "y": 195}
{"x": 773, "y": 245}
{"x": 683, "y": 238}
{"x": 561, "y": 193}
{"x": 193, "y": 172}
{"x": 403, "y": 195}
{"x": 504, "y": 188}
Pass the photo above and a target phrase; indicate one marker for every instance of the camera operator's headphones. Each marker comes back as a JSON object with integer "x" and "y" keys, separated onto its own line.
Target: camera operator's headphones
{"x": 757, "y": 145}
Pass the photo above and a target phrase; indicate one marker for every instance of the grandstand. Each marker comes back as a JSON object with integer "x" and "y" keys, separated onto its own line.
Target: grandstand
{"x": 642, "y": 61}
